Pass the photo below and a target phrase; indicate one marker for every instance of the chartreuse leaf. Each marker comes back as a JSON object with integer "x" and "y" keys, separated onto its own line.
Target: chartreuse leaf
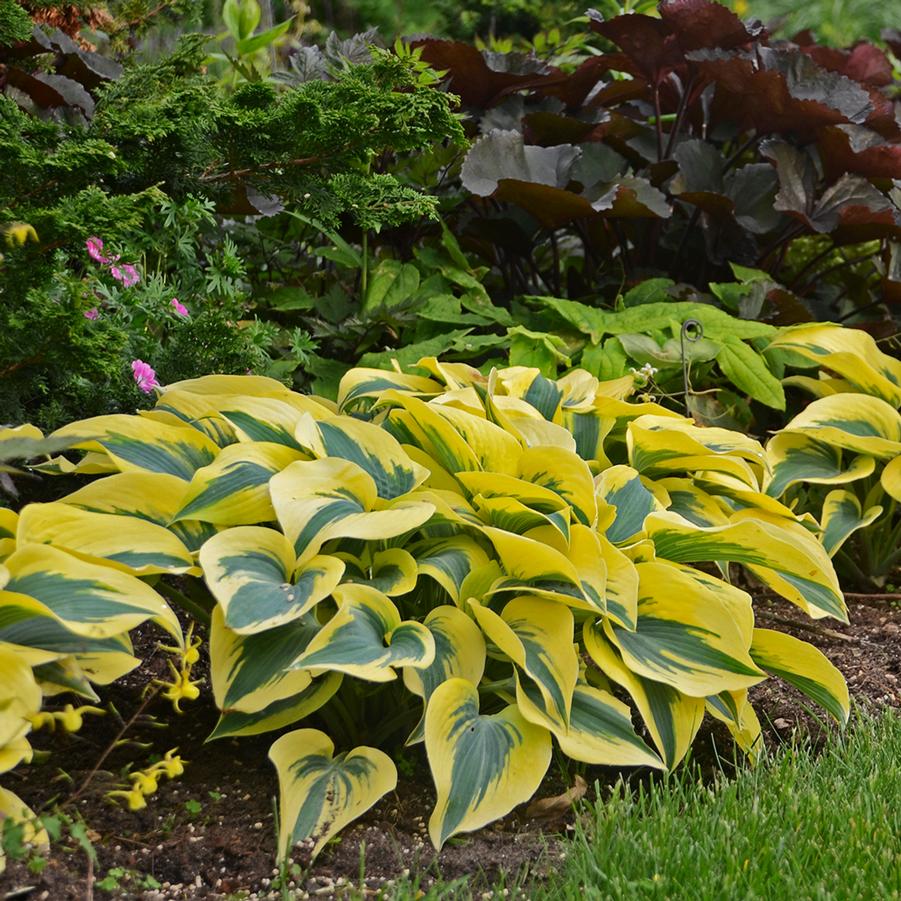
{"x": 693, "y": 632}
{"x": 621, "y": 487}
{"x": 135, "y": 443}
{"x": 748, "y": 371}
{"x": 369, "y": 446}
{"x": 891, "y": 478}
{"x": 482, "y": 766}
{"x": 842, "y": 516}
{"x": 321, "y": 499}
{"x": 537, "y": 635}
{"x": 393, "y": 571}
{"x": 368, "y": 383}
{"x": 459, "y": 652}
{"x": 367, "y": 639}
{"x": 449, "y": 561}
{"x": 693, "y": 503}
{"x": 850, "y": 352}
{"x": 21, "y": 699}
{"x": 126, "y": 542}
{"x": 672, "y": 718}
{"x": 234, "y": 489}
{"x": 797, "y": 457}
{"x": 785, "y": 556}
{"x": 321, "y": 792}
{"x": 566, "y": 474}
{"x": 735, "y": 710}
{"x": 661, "y": 445}
{"x": 621, "y": 588}
{"x": 241, "y": 385}
{"x": 14, "y": 809}
{"x": 90, "y": 600}
{"x": 803, "y": 666}
{"x": 855, "y": 422}
{"x": 600, "y": 729}
{"x": 253, "y": 574}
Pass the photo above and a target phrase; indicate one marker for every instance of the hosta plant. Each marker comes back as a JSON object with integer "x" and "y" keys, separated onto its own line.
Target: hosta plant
{"x": 488, "y": 566}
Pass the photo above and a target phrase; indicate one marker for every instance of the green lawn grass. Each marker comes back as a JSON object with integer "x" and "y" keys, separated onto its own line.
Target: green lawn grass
{"x": 802, "y": 825}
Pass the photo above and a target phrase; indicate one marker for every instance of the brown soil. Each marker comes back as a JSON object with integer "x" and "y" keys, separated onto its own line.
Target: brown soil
{"x": 210, "y": 833}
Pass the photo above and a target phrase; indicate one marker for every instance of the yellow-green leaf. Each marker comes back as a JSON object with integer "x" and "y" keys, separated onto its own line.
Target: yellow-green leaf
{"x": 798, "y": 457}
{"x": 842, "y": 517}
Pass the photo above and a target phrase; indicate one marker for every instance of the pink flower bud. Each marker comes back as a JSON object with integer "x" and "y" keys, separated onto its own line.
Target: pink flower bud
{"x": 144, "y": 375}
{"x": 93, "y": 313}
{"x": 95, "y": 249}
{"x": 179, "y": 307}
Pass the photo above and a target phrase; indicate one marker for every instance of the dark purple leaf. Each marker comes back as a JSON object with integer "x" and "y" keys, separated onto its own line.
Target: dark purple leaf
{"x": 863, "y": 63}
{"x": 853, "y": 148}
{"x": 753, "y": 190}
{"x": 699, "y": 180}
{"x": 701, "y": 23}
{"x": 647, "y": 42}
{"x": 630, "y": 197}
{"x": 552, "y": 207}
{"x": 892, "y": 37}
{"x": 49, "y": 91}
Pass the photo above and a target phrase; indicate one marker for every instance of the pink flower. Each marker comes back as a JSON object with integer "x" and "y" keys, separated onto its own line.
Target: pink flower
{"x": 179, "y": 307}
{"x": 128, "y": 275}
{"x": 95, "y": 249}
{"x": 93, "y": 313}
{"x": 144, "y": 375}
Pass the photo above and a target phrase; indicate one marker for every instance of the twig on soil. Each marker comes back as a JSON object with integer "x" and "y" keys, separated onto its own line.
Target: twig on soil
{"x": 817, "y": 630}
{"x": 876, "y": 598}
{"x": 89, "y": 891}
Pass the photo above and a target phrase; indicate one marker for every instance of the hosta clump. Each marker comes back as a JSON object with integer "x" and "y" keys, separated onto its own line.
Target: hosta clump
{"x": 493, "y": 564}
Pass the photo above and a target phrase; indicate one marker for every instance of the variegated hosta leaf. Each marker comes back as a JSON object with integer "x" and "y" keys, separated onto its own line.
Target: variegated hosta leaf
{"x": 693, "y": 503}
{"x": 393, "y": 571}
{"x": 135, "y": 443}
{"x": 234, "y": 489}
{"x": 528, "y": 384}
{"x": 521, "y": 420}
{"x": 661, "y": 445}
{"x": 131, "y": 544}
{"x": 600, "y": 727}
{"x": 320, "y": 792}
{"x": 537, "y": 635}
{"x": 362, "y": 383}
{"x": 621, "y": 487}
{"x": 459, "y": 651}
{"x": 367, "y": 639}
{"x": 786, "y": 557}
{"x": 672, "y": 718}
{"x": 851, "y": 353}
{"x": 855, "y": 422}
{"x": 566, "y": 474}
{"x": 590, "y": 430}
{"x": 375, "y": 451}
{"x": 332, "y": 498}
{"x": 621, "y": 588}
{"x": 735, "y": 710}
{"x": 803, "y": 666}
{"x": 798, "y": 457}
{"x": 20, "y": 698}
{"x": 253, "y": 574}
{"x": 244, "y": 385}
{"x": 449, "y": 561}
{"x": 693, "y": 632}
{"x": 842, "y": 517}
{"x": 90, "y": 600}
{"x": 891, "y": 479}
{"x": 9, "y": 523}
{"x": 65, "y": 675}
{"x": 482, "y": 766}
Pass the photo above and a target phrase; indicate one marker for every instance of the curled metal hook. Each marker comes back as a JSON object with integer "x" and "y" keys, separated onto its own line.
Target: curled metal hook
{"x": 692, "y": 330}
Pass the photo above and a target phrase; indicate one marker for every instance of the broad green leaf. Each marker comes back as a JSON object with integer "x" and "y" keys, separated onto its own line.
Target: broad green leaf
{"x": 748, "y": 371}
{"x": 250, "y": 45}
{"x": 391, "y": 284}
{"x": 375, "y": 451}
{"x": 842, "y": 516}
{"x": 482, "y": 766}
{"x": 332, "y": 498}
{"x": 672, "y": 718}
{"x": 253, "y": 573}
{"x": 798, "y": 457}
{"x": 90, "y": 600}
{"x": 367, "y": 639}
{"x": 459, "y": 652}
{"x": 128, "y": 543}
{"x": 855, "y": 422}
{"x": 321, "y": 792}
{"x": 537, "y": 635}
{"x": 234, "y": 489}
{"x": 803, "y": 666}
{"x": 693, "y": 632}
{"x": 785, "y": 556}
{"x": 621, "y": 487}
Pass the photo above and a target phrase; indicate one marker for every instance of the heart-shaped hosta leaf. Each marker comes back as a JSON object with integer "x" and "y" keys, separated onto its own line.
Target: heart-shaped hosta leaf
{"x": 459, "y": 651}
{"x": 537, "y": 635}
{"x": 251, "y": 572}
{"x": 362, "y": 383}
{"x": 891, "y": 479}
{"x": 393, "y": 572}
{"x": 366, "y": 638}
{"x": 600, "y": 727}
{"x": 842, "y": 517}
{"x": 127, "y": 542}
{"x": 785, "y": 556}
{"x": 320, "y": 792}
{"x": 621, "y": 487}
{"x": 672, "y": 718}
{"x": 797, "y": 457}
{"x": 693, "y": 632}
{"x": 449, "y": 561}
{"x": 372, "y": 448}
{"x": 234, "y": 489}
{"x": 332, "y": 498}
{"x": 21, "y": 697}
{"x": 90, "y": 600}
{"x": 802, "y": 665}
{"x": 735, "y": 710}
{"x": 482, "y": 766}
{"x": 565, "y": 473}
